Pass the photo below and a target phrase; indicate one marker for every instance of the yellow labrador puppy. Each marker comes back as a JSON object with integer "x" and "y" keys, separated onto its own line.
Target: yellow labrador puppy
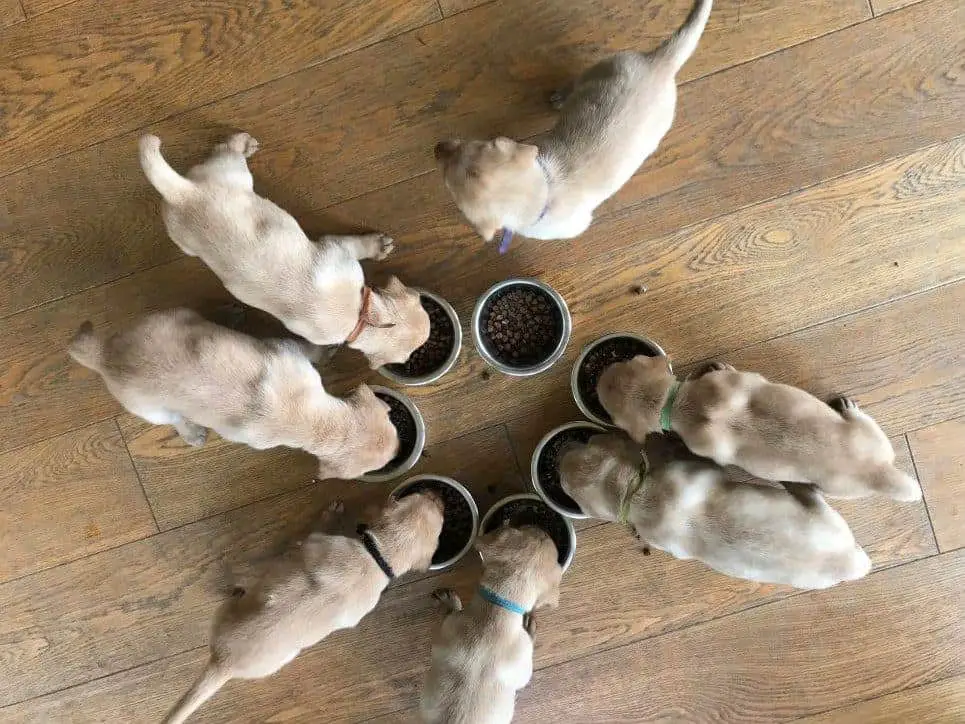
{"x": 684, "y": 505}
{"x": 483, "y": 654}
{"x": 773, "y": 431}
{"x": 260, "y": 253}
{"x": 611, "y": 119}
{"x": 176, "y": 368}
{"x": 328, "y": 582}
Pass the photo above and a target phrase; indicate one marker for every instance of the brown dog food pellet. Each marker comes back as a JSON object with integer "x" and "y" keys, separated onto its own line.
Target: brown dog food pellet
{"x": 457, "y": 518}
{"x": 404, "y": 424}
{"x": 618, "y": 349}
{"x": 521, "y": 325}
{"x": 518, "y": 513}
{"x": 433, "y": 354}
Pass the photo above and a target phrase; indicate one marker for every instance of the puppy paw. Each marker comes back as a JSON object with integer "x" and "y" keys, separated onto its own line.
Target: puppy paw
{"x": 843, "y": 404}
{"x": 448, "y": 598}
{"x": 195, "y": 436}
{"x": 557, "y": 99}
{"x": 242, "y": 143}
{"x": 386, "y": 245}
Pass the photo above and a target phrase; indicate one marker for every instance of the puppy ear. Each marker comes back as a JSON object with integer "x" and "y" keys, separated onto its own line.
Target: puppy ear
{"x": 487, "y": 229}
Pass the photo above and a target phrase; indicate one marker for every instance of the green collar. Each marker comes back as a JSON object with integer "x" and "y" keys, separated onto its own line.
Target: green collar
{"x": 624, "y": 514}
{"x": 668, "y": 406}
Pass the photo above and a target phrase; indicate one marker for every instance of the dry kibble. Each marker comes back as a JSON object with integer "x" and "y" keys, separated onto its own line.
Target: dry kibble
{"x": 518, "y": 513}
{"x": 548, "y": 465}
{"x": 431, "y": 355}
{"x": 521, "y": 325}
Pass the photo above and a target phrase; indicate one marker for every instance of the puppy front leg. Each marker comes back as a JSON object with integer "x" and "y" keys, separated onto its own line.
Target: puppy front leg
{"x": 449, "y": 599}
{"x": 362, "y": 246}
{"x": 194, "y": 435}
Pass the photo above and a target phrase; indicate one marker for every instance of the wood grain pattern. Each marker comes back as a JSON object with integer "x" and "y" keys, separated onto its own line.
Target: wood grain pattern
{"x": 11, "y": 12}
{"x": 886, "y": 6}
{"x": 941, "y": 702}
{"x": 68, "y": 497}
{"x": 33, "y": 8}
{"x": 798, "y": 656}
{"x": 362, "y": 678}
{"x": 158, "y": 59}
{"x": 315, "y": 125}
{"x": 939, "y": 453}
{"x": 451, "y": 7}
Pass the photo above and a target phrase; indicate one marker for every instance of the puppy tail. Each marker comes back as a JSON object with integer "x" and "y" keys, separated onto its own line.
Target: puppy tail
{"x": 86, "y": 347}
{"x": 681, "y": 45}
{"x": 212, "y": 678}
{"x": 890, "y": 481}
{"x": 169, "y": 183}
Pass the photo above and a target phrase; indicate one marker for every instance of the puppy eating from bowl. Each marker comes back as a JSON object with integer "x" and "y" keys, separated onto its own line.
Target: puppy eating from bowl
{"x": 326, "y": 583}
{"x": 315, "y": 288}
{"x": 483, "y": 653}
{"x": 685, "y": 505}
{"x": 773, "y": 431}
{"x": 611, "y": 119}
{"x": 176, "y": 368}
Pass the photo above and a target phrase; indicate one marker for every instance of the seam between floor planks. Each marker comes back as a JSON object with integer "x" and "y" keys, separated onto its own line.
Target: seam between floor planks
{"x": 924, "y": 499}
{"x": 578, "y": 657}
{"x": 140, "y": 482}
{"x": 388, "y": 38}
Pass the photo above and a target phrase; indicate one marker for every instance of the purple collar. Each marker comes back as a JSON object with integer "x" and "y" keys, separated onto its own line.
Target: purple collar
{"x": 507, "y": 235}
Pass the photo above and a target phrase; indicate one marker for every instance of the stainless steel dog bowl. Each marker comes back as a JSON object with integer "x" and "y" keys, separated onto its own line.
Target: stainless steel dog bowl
{"x": 385, "y": 474}
{"x": 450, "y": 360}
{"x": 571, "y": 531}
{"x": 461, "y": 489}
{"x": 534, "y": 467}
{"x": 487, "y": 354}
{"x": 655, "y": 348}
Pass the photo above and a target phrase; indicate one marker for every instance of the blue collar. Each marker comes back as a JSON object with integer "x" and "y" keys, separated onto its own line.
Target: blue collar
{"x": 494, "y": 598}
{"x": 507, "y": 236}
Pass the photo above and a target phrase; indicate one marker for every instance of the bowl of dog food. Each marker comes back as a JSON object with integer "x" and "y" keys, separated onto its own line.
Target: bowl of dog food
{"x": 460, "y": 519}
{"x": 408, "y": 422}
{"x": 521, "y": 326}
{"x": 439, "y": 353}
{"x": 529, "y": 509}
{"x": 592, "y": 362}
{"x": 544, "y": 468}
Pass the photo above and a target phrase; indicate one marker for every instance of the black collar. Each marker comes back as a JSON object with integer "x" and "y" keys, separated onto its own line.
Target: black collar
{"x": 368, "y": 540}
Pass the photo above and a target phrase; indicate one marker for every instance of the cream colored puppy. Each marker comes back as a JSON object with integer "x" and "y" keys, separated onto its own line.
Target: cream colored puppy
{"x": 483, "y": 654}
{"x": 176, "y": 368}
{"x": 684, "y": 505}
{"x": 773, "y": 431}
{"x": 328, "y": 582}
{"x": 611, "y": 119}
{"x": 260, "y": 253}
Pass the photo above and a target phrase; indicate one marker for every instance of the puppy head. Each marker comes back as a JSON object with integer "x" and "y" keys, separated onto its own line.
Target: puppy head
{"x": 413, "y": 525}
{"x": 598, "y": 474}
{"x": 370, "y": 443}
{"x": 488, "y": 179}
{"x": 633, "y": 392}
{"x": 527, "y": 556}
{"x": 399, "y": 325}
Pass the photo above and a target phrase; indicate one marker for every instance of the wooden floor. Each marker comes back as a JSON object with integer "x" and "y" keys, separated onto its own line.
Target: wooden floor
{"x": 805, "y": 217}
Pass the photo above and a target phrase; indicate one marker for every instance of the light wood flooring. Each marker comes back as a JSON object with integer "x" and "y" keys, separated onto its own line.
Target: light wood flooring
{"x": 805, "y": 217}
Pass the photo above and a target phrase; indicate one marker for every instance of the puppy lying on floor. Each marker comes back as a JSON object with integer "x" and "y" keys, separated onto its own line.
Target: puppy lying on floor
{"x": 611, "y": 119}
{"x": 483, "y": 654}
{"x": 328, "y": 582}
{"x": 176, "y": 368}
{"x": 260, "y": 253}
{"x": 773, "y": 431}
{"x": 685, "y": 506}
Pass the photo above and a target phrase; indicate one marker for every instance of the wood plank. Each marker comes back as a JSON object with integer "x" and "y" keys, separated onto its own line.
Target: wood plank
{"x": 185, "y": 484}
{"x": 337, "y": 113}
{"x": 940, "y": 702}
{"x": 939, "y": 453}
{"x": 68, "y": 497}
{"x": 798, "y": 656}
{"x": 147, "y": 62}
{"x": 880, "y": 7}
{"x": 776, "y": 267}
{"x": 11, "y": 12}
{"x": 451, "y": 7}
{"x": 361, "y": 677}
{"x": 37, "y": 7}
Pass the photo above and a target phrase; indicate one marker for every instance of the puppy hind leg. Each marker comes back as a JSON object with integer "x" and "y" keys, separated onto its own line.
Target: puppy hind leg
{"x": 194, "y": 435}
{"x": 362, "y": 246}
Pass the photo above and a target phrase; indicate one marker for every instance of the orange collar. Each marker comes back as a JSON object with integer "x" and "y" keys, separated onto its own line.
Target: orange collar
{"x": 363, "y": 316}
